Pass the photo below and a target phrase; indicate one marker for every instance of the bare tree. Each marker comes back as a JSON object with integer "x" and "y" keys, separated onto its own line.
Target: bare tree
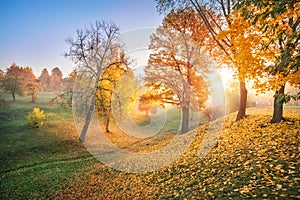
{"x": 93, "y": 50}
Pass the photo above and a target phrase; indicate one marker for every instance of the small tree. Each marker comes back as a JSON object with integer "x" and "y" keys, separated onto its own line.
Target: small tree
{"x": 144, "y": 106}
{"x": 107, "y": 89}
{"x": 32, "y": 87}
{"x": 32, "y": 91}
{"x": 12, "y": 81}
{"x": 92, "y": 50}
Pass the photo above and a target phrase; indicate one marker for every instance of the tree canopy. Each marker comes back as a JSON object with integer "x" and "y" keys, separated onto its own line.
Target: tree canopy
{"x": 17, "y": 80}
{"x": 177, "y": 67}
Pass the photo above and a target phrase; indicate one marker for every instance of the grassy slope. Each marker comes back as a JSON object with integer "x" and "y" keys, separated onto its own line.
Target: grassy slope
{"x": 36, "y": 161}
{"x": 253, "y": 159}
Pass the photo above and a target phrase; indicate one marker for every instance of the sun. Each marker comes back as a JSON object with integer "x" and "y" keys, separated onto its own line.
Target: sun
{"x": 226, "y": 76}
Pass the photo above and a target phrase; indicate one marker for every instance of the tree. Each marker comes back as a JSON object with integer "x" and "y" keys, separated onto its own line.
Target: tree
{"x": 69, "y": 81}
{"x": 279, "y": 23}
{"x": 17, "y": 80}
{"x": 177, "y": 66}
{"x": 31, "y": 84}
{"x": 44, "y": 80}
{"x": 93, "y": 50}
{"x": 56, "y": 80}
{"x": 107, "y": 88}
{"x": 215, "y": 16}
{"x": 32, "y": 90}
{"x": 12, "y": 82}
{"x": 145, "y": 105}
{"x": 65, "y": 96}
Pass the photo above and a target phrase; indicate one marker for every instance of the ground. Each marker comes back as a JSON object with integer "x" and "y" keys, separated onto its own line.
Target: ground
{"x": 251, "y": 158}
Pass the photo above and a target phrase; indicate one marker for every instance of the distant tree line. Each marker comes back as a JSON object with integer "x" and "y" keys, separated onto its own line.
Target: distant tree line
{"x": 18, "y": 80}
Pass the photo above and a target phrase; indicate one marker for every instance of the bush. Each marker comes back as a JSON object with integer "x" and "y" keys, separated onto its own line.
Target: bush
{"x": 36, "y": 118}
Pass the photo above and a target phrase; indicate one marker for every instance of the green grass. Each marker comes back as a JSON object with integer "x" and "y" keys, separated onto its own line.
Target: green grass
{"x": 43, "y": 179}
{"x": 35, "y": 160}
{"x": 24, "y": 145}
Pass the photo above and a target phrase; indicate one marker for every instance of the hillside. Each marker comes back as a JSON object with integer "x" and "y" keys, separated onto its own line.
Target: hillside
{"x": 251, "y": 159}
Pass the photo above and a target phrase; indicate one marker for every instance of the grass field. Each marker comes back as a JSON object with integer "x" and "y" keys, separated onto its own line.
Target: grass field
{"x": 37, "y": 161}
{"x": 252, "y": 159}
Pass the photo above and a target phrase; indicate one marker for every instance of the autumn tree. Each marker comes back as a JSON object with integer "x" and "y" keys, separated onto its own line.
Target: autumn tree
{"x": 145, "y": 105}
{"x": 65, "y": 96}
{"x": 107, "y": 88}
{"x": 56, "y": 79}
{"x": 31, "y": 84}
{"x": 32, "y": 89}
{"x": 18, "y": 80}
{"x": 93, "y": 50}
{"x": 215, "y": 15}
{"x": 69, "y": 81}
{"x": 279, "y": 24}
{"x": 12, "y": 82}
{"x": 177, "y": 66}
{"x": 44, "y": 80}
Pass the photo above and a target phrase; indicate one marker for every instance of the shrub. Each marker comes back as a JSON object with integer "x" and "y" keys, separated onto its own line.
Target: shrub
{"x": 36, "y": 118}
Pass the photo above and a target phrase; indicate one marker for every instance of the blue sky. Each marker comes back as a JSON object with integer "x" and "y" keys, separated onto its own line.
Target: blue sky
{"x": 33, "y": 32}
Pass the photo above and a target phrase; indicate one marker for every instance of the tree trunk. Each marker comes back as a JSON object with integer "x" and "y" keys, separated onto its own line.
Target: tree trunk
{"x": 34, "y": 97}
{"x": 107, "y": 125}
{"x": 13, "y": 96}
{"x": 87, "y": 122}
{"x": 243, "y": 101}
{"x": 185, "y": 119}
{"x": 278, "y": 106}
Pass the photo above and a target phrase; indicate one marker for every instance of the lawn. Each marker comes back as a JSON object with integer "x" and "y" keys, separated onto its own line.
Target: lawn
{"x": 252, "y": 159}
{"x": 36, "y": 161}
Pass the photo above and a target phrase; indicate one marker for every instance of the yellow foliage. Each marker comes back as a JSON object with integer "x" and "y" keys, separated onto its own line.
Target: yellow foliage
{"x": 245, "y": 43}
{"x": 113, "y": 89}
{"x": 36, "y": 117}
{"x": 264, "y": 56}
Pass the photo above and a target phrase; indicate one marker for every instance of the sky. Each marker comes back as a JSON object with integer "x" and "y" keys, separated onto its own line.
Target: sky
{"x": 33, "y": 32}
